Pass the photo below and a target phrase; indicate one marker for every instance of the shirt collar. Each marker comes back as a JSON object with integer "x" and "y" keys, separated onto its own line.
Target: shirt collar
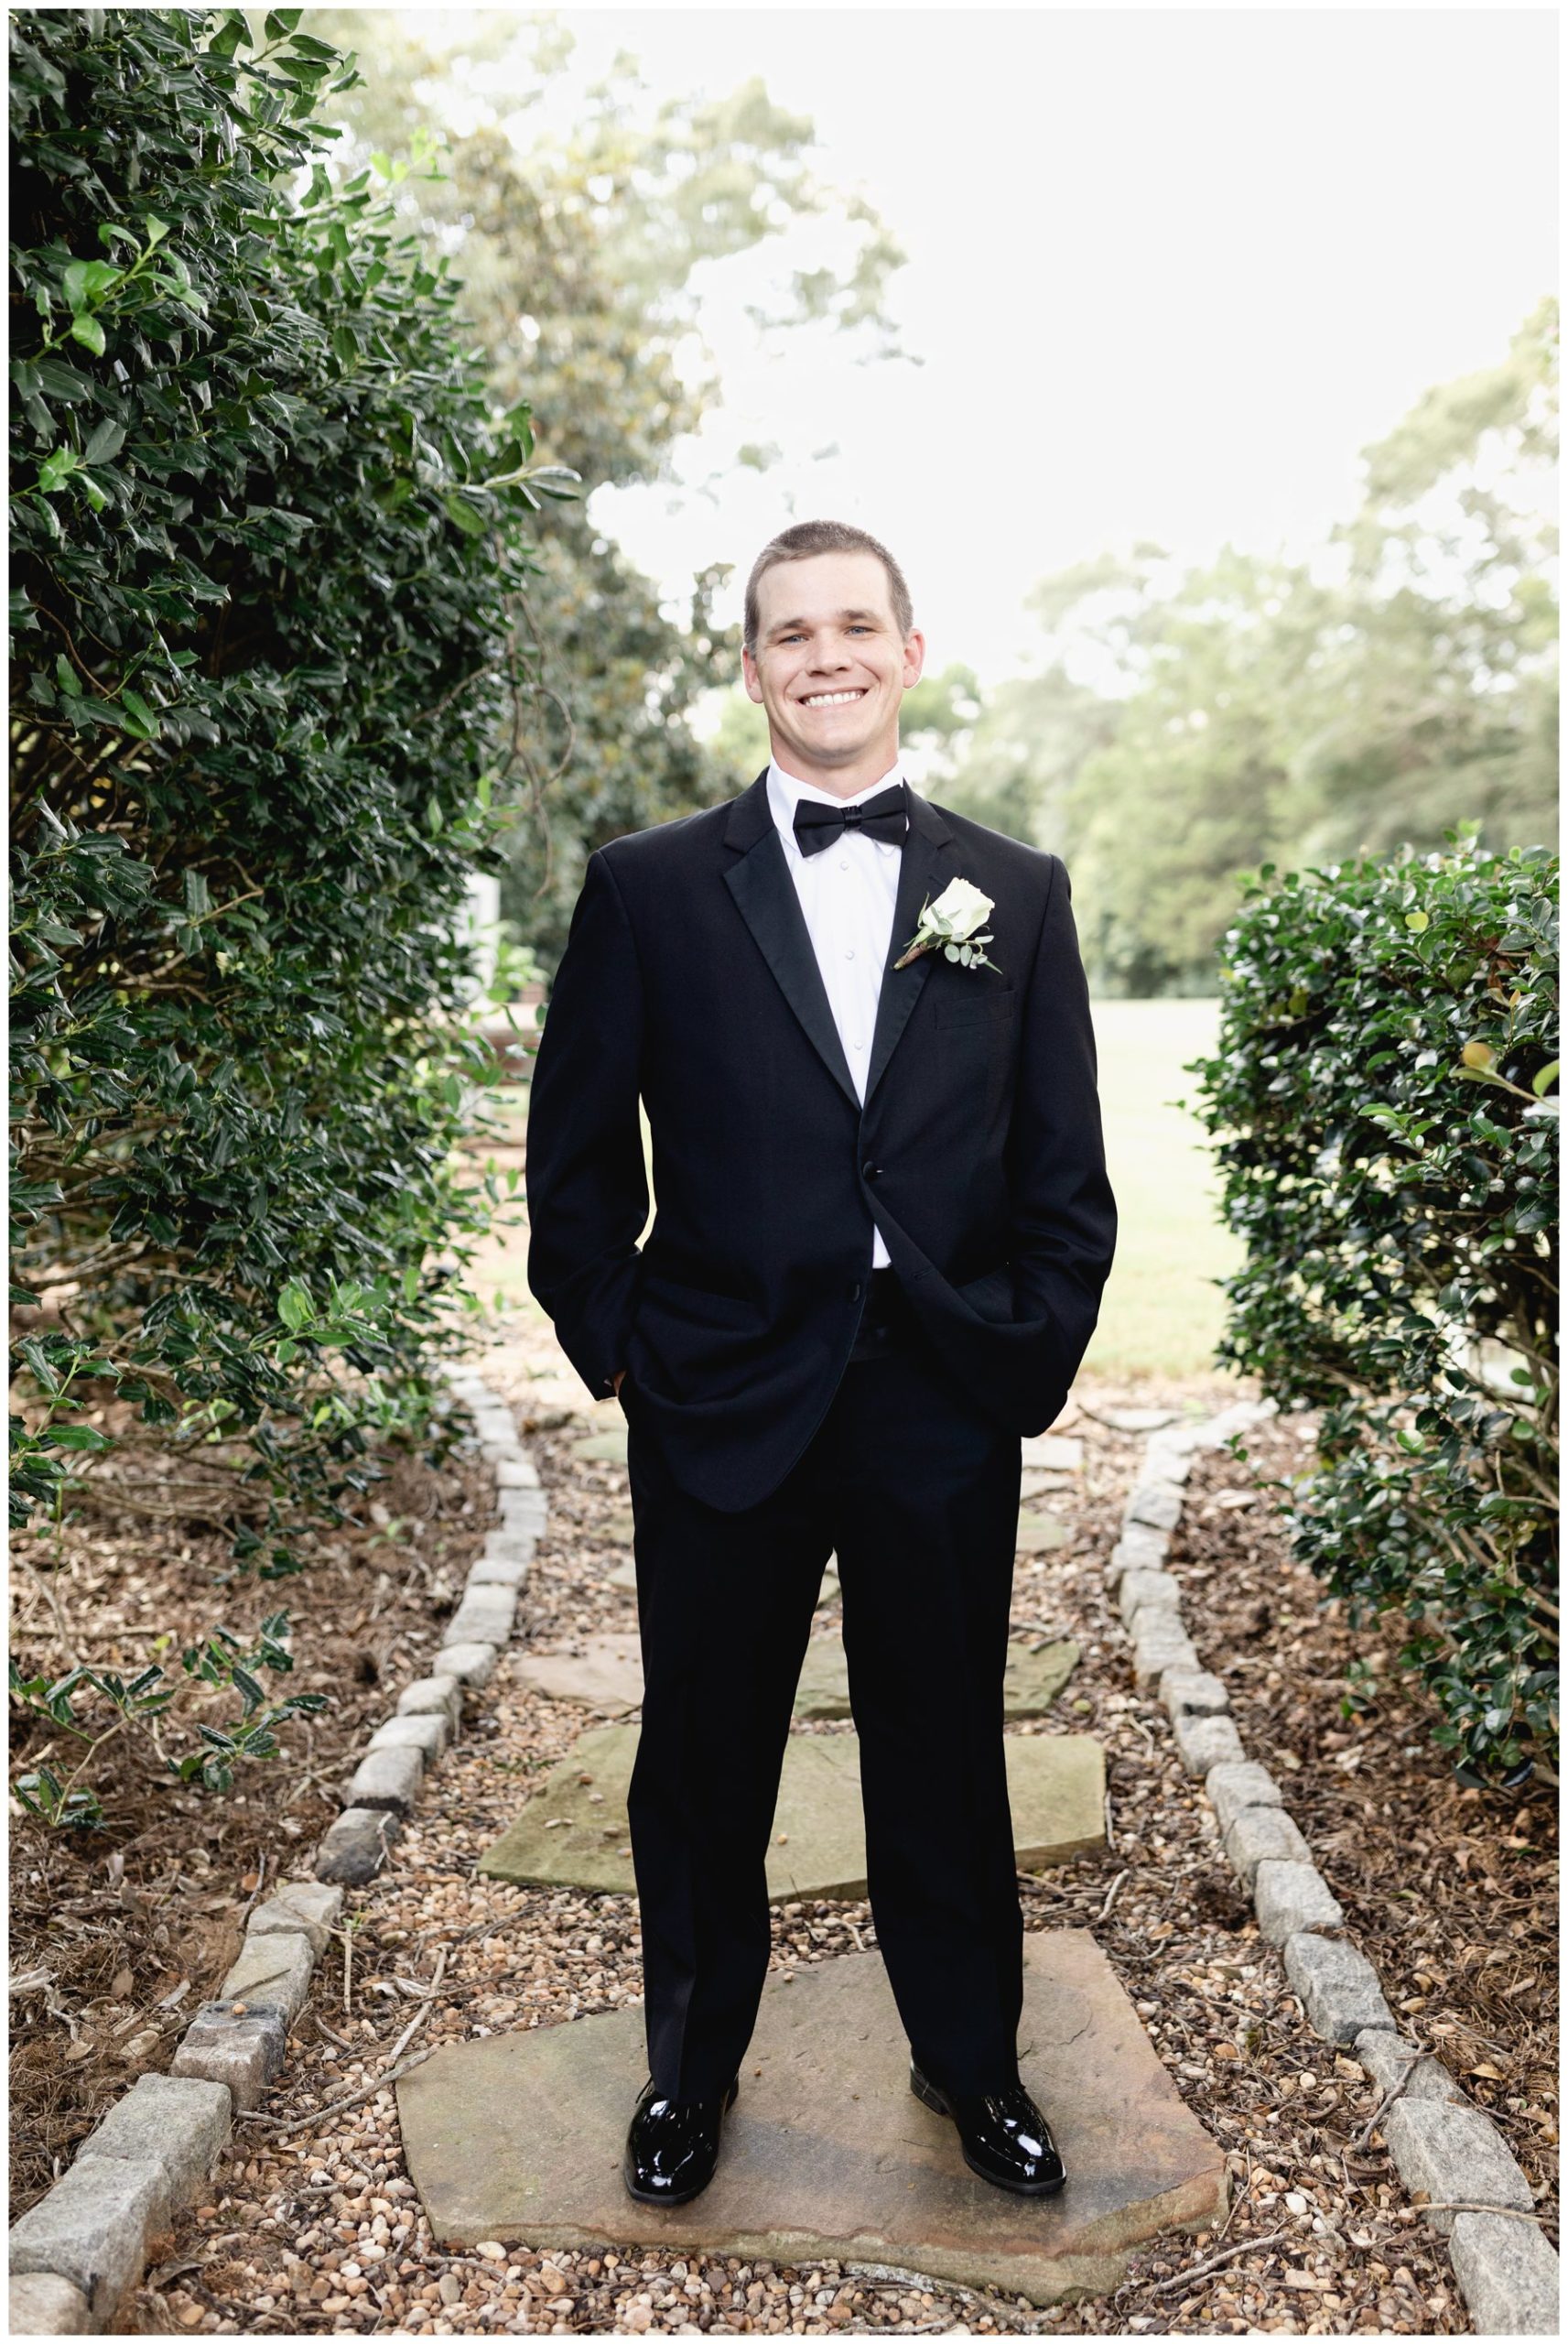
{"x": 784, "y": 793}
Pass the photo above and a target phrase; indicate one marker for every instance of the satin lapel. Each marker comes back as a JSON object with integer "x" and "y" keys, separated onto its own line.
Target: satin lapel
{"x": 924, "y": 873}
{"x": 763, "y": 888}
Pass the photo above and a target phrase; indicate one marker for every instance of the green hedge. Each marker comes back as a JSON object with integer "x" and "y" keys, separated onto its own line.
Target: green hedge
{"x": 1381, "y": 1095}
{"x": 266, "y": 537}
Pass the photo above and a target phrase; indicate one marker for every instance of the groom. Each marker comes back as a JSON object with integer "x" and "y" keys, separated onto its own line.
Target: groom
{"x": 883, "y": 1229}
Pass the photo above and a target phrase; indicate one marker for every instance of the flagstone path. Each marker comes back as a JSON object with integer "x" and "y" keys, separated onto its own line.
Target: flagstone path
{"x": 827, "y": 2153}
{"x": 604, "y": 1673}
{"x": 572, "y": 1833}
{"x": 313, "y": 2224}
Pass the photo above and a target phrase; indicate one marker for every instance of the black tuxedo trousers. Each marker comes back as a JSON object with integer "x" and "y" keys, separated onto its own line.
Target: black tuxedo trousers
{"x": 915, "y": 1490}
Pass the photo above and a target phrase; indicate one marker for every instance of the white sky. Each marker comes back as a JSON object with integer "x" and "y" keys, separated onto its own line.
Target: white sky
{"x": 1169, "y": 272}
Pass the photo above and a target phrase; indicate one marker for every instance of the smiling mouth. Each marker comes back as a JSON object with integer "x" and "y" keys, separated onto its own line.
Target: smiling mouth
{"x": 833, "y": 699}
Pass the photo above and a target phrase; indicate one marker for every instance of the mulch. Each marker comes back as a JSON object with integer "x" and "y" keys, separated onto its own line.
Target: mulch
{"x": 119, "y": 1934}
{"x": 1451, "y": 1893}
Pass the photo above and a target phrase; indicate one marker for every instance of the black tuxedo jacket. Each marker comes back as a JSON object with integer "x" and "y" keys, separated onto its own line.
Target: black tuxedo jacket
{"x": 690, "y": 980}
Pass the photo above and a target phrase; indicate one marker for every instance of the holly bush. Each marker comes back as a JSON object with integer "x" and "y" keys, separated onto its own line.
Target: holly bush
{"x": 268, "y": 536}
{"x": 1383, "y": 1101}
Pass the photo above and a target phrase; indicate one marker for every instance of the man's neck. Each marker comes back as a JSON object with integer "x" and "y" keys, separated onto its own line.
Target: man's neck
{"x": 841, "y": 781}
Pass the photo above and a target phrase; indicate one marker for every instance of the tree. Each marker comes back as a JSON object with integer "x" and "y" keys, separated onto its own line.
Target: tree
{"x": 1186, "y": 724}
{"x": 584, "y": 251}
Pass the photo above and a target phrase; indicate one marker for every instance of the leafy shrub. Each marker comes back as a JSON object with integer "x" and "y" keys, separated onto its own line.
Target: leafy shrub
{"x": 268, "y": 538}
{"x": 1389, "y": 1152}
{"x": 220, "y": 1659}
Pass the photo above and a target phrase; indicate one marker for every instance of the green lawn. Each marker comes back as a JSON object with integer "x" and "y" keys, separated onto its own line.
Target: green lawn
{"x": 1162, "y": 1312}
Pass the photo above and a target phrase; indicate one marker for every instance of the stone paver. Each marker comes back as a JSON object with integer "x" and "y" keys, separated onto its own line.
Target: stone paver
{"x": 1159, "y": 1642}
{"x": 426, "y": 1731}
{"x": 518, "y": 2137}
{"x": 1512, "y": 2279}
{"x": 1232, "y": 1789}
{"x": 606, "y": 1448}
{"x": 625, "y": 1575}
{"x": 605, "y": 1674}
{"x": 242, "y": 2050}
{"x": 1396, "y": 2066}
{"x": 93, "y": 2228}
{"x": 442, "y": 1694}
{"x": 1138, "y": 1548}
{"x": 1338, "y": 1986}
{"x": 355, "y": 1846}
{"x": 1290, "y": 1897}
{"x": 1041, "y": 1534}
{"x": 273, "y": 1970}
{"x": 41, "y": 2305}
{"x": 567, "y": 1836}
{"x": 1450, "y": 2151}
{"x": 1263, "y": 1835}
{"x": 471, "y": 1664}
{"x": 1056, "y": 1452}
{"x": 388, "y": 1778}
{"x": 484, "y": 1616}
{"x": 1142, "y": 1590}
{"x": 309, "y": 1906}
{"x": 1202, "y": 1741}
{"x": 1156, "y": 1505}
{"x": 1032, "y": 1684}
{"x": 177, "y": 2123}
{"x": 1193, "y": 1693}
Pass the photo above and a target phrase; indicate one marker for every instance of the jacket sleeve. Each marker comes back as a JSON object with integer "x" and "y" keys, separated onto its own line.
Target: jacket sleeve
{"x": 1063, "y": 1214}
{"x": 586, "y": 1183}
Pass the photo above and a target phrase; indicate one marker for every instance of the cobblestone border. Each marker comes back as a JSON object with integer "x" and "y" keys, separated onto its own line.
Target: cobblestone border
{"x": 1442, "y": 2143}
{"x": 77, "y": 2254}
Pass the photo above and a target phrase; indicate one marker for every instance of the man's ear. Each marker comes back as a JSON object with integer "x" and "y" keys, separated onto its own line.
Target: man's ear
{"x": 752, "y": 682}
{"x": 913, "y": 658}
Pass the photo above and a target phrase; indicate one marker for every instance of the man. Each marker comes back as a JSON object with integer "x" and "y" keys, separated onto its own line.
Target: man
{"x": 882, "y": 1229}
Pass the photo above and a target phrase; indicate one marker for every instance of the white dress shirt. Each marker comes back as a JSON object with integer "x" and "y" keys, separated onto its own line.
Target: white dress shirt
{"x": 847, "y": 893}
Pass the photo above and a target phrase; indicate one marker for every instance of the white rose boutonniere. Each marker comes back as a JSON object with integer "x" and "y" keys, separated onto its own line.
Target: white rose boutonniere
{"x": 950, "y": 923}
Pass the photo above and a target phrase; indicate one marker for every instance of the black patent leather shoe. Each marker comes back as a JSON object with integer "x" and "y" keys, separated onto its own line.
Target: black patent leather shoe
{"x": 1004, "y": 2136}
{"x": 672, "y": 2147}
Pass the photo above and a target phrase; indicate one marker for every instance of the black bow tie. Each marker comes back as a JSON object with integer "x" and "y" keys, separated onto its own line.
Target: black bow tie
{"x": 885, "y": 815}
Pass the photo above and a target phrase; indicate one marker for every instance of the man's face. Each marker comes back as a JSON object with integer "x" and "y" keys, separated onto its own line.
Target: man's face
{"x": 830, "y": 666}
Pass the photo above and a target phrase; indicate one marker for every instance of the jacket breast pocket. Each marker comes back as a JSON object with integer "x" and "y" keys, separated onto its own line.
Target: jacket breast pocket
{"x": 990, "y": 1010}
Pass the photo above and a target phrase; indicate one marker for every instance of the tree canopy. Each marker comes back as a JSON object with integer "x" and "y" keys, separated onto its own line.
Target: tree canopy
{"x": 1186, "y": 725}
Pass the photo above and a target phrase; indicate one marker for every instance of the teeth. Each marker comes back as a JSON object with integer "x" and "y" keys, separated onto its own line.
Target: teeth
{"x": 830, "y": 700}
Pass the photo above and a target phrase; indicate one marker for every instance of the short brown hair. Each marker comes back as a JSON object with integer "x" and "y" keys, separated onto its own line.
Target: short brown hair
{"x": 808, "y": 538}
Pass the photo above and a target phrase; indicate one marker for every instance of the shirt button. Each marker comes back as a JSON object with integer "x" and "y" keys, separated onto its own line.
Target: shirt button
{"x": 848, "y": 952}
{"x": 860, "y": 1045}
{"x": 843, "y": 862}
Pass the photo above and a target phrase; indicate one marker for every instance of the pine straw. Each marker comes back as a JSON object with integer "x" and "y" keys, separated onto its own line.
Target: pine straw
{"x": 313, "y": 2227}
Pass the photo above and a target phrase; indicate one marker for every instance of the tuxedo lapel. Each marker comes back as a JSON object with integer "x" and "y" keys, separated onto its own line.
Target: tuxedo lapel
{"x": 926, "y": 867}
{"x": 764, "y": 892}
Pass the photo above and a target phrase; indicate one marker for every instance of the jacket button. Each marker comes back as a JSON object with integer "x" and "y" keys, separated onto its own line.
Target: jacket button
{"x": 852, "y": 1294}
{"x": 871, "y": 1171}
